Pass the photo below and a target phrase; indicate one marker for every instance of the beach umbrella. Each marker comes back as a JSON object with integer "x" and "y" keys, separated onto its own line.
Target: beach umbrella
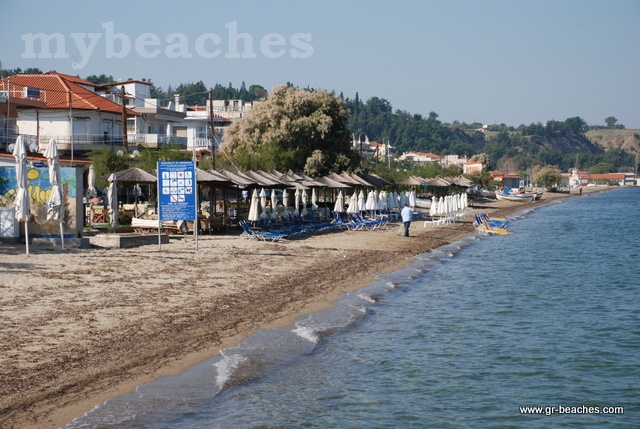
{"x": 285, "y": 201}
{"x": 304, "y": 202}
{"x": 263, "y": 204}
{"x": 296, "y": 202}
{"x": 371, "y": 203}
{"x": 314, "y": 199}
{"x": 338, "y": 207}
{"x": 383, "y": 202}
{"x": 361, "y": 205}
{"x": 390, "y": 204}
{"x": 112, "y": 200}
{"x": 254, "y": 216}
{"x": 353, "y": 203}
{"x": 433, "y": 208}
{"x": 21, "y": 202}
{"x": 91, "y": 183}
{"x": 54, "y": 205}
{"x": 274, "y": 203}
{"x": 412, "y": 198}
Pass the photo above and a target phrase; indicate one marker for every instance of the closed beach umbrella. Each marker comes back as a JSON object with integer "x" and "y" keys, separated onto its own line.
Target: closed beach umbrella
{"x": 304, "y": 202}
{"x": 382, "y": 200}
{"x": 412, "y": 198}
{"x": 296, "y": 203}
{"x": 339, "y": 205}
{"x": 371, "y": 203}
{"x": 274, "y": 203}
{"x": 285, "y": 201}
{"x": 314, "y": 199}
{"x": 361, "y": 205}
{"x": 112, "y": 200}
{"x": 21, "y": 203}
{"x": 394, "y": 200}
{"x": 54, "y": 205}
{"x": 254, "y": 215}
{"x": 263, "y": 204}
{"x": 91, "y": 183}
{"x": 433, "y": 208}
{"x": 353, "y": 203}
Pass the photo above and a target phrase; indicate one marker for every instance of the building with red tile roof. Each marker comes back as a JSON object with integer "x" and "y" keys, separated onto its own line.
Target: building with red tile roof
{"x": 65, "y": 108}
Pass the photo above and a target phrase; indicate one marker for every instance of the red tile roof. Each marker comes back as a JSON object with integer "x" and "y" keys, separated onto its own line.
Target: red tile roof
{"x": 58, "y": 88}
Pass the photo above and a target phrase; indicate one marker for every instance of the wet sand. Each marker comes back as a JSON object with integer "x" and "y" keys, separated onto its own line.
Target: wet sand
{"x": 80, "y": 326}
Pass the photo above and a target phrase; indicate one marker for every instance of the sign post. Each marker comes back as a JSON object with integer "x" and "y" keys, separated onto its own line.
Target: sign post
{"x": 177, "y": 191}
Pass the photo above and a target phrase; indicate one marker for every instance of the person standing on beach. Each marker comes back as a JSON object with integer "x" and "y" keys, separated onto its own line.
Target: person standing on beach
{"x": 407, "y": 216}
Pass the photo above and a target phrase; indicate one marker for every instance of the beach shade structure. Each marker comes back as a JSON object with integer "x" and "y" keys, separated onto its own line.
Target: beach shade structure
{"x": 112, "y": 200}
{"x": 55, "y": 208}
{"x": 263, "y": 204}
{"x": 134, "y": 175}
{"x": 254, "y": 216}
{"x": 274, "y": 203}
{"x": 303, "y": 199}
{"x": 92, "y": 192}
{"x": 338, "y": 207}
{"x": 21, "y": 202}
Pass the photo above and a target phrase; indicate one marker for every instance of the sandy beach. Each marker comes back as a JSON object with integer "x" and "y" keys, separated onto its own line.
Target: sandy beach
{"x": 80, "y": 326}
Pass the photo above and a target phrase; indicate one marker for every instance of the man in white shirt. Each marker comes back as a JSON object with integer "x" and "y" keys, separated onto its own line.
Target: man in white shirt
{"x": 407, "y": 216}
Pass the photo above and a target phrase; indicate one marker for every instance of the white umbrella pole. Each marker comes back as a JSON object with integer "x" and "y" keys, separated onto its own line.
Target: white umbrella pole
{"x": 26, "y": 235}
{"x": 62, "y": 235}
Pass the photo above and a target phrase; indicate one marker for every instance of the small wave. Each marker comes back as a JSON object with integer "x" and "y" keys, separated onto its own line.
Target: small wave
{"x": 227, "y": 367}
{"x": 361, "y": 308}
{"x": 369, "y": 298}
{"x": 307, "y": 333}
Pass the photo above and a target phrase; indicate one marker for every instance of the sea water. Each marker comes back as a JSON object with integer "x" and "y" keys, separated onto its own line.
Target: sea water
{"x": 467, "y": 336}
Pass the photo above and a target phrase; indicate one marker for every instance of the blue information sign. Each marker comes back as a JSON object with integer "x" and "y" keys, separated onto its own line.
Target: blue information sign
{"x": 177, "y": 190}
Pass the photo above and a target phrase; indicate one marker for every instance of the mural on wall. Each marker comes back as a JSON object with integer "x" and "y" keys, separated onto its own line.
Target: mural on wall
{"x": 39, "y": 191}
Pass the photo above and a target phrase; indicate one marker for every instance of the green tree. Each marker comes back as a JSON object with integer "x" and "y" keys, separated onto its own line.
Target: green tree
{"x": 611, "y": 121}
{"x": 484, "y": 158}
{"x": 285, "y": 130}
{"x": 106, "y": 161}
{"x": 601, "y": 168}
{"x": 547, "y": 176}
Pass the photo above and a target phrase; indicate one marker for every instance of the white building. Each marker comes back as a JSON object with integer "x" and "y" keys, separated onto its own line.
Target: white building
{"x": 420, "y": 157}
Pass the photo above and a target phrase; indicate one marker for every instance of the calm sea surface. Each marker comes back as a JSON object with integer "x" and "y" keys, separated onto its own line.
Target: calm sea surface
{"x": 463, "y": 338}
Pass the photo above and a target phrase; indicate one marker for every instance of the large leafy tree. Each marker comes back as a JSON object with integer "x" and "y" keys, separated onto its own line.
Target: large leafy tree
{"x": 290, "y": 129}
{"x": 547, "y": 176}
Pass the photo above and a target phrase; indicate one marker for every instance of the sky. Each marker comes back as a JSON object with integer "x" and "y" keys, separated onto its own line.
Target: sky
{"x": 491, "y": 61}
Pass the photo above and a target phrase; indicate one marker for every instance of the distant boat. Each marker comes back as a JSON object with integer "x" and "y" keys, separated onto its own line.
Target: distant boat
{"x": 520, "y": 198}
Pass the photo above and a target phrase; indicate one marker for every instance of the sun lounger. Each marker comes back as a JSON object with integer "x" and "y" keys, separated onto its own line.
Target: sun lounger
{"x": 252, "y": 233}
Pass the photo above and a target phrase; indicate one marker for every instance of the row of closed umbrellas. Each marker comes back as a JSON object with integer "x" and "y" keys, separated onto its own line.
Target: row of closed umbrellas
{"x": 260, "y": 209}
{"x": 375, "y": 201}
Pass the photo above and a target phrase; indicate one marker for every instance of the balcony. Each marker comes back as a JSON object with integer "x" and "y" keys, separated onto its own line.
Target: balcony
{"x": 155, "y": 141}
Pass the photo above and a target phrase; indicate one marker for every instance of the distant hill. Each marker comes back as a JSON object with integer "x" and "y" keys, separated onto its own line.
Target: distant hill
{"x": 626, "y": 140}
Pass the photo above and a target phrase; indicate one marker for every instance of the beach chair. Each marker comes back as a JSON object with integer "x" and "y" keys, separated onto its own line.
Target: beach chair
{"x": 252, "y": 233}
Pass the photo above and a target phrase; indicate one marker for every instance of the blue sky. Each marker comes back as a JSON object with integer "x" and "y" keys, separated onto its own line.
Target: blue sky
{"x": 491, "y": 61}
